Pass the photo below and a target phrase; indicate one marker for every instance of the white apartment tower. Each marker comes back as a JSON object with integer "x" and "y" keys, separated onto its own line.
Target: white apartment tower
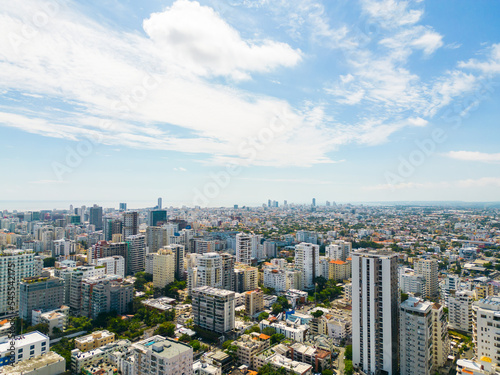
{"x": 486, "y": 340}
{"x": 428, "y": 268}
{"x": 441, "y": 341}
{"x": 416, "y": 337}
{"x": 213, "y": 309}
{"x": 338, "y": 250}
{"x": 460, "y": 310}
{"x": 375, "y": 312}
{"x": 244, "y": 248}
{"x": 307, "y": 261}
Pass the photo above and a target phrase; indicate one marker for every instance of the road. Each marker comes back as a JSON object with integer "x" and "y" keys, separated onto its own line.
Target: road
{"x": 340, "y": 361}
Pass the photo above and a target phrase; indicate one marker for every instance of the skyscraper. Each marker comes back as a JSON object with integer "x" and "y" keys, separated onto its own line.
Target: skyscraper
{"x": 159, "y": 203}
{"x": 227, "y": 271}
{"x": 43, "y": 293}
{"x": 123, "y": 207}
{"x": 130, "y": 224}
{"x": 314, "y": 202}
{"x": 157, "y": 216}
{"x": 179, "y": 253}
{"x": 375, "y": 312}
{"x": 163, "y": 268}
{"x": 243, "y": 248}
{"x": 95, "y": 217}
{"x": 213, "y": 309}
{"x": 307, "y": 261}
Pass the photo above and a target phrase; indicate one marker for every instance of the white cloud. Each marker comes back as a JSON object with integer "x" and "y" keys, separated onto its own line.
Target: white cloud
{"x": 474, "y": 156}
{"x": 391, "y": 13}
{"x": 465, "y": 184}
{"x": 490, "y": 66}
{"x": 196, "y": 37}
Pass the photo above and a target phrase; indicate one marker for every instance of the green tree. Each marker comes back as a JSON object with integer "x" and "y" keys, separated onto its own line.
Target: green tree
{"x": 269, "y": 331}
{"x": 277, "y": 337}
{"x": 348, "y": 369}
{"x": 195, "y": 344}
{"x": 404, "y": 297}
{"x": 49, "y": 262}
{"x": 226, "y": 344}
{"x": 268, "y": 369}
{"x": 317, "y": 313}
{"x": 348, "y": 352}
{"x": 276, "y": 308}
{"x": 166, "y": 329}
{"x": 327, "y": 372}
{"x": 263, "y": 315}
{"x": 185, "y": 338}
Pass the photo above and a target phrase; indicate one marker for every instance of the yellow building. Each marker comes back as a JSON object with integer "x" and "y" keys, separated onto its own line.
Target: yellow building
{"x": 254, "y": 302}
{"x": 94, "y": 340}
{"x": 163, "y": 268}
{"x": 339, "y": 270}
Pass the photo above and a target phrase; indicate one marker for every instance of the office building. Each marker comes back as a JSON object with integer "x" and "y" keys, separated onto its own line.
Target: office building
{"x": 123, "y": 207}
{"x": 416, "y": 337}
{"x": 95, "y": 217}
{"x": 105, "y": 249}
{"x": 307, "y": 261}
{"x": 19, "y": 264}
{"x": 136, "y": 253}
{"x": 160, "y": 203}
{"x": 156, "y": 238}
{"x": 158, "y": 355}
{"x": 375, "y": 312}
{"x": 130, "y": 224}
{"x": 43, "y": 293}
{"x": 213, "y": 309}
{"x": 428, "y": 268}
{"x": 163, "y": 268}
{"x": 244, "y": 248}
{"x": 157, "y": 217}
{"x": 179, "y": 255}
{"x": 104, "y": 294}
{"x": 112, "y": 227}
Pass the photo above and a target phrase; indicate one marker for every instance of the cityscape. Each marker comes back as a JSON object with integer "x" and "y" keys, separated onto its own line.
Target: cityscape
{"x": 250, "y": 187}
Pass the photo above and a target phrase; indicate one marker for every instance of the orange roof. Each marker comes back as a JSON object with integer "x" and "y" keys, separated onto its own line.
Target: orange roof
{"x": 349, "y": 258}
{"x": 337, "y": 262}
{"x": 264, "y": 337}
{"x": 3, "y": 322}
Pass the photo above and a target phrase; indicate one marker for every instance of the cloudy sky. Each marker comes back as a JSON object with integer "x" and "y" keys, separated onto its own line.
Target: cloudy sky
{"x": 223, "y": 102}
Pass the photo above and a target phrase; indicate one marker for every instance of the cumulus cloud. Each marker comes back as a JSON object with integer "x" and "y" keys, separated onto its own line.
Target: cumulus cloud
{"x": 474, "y": 156}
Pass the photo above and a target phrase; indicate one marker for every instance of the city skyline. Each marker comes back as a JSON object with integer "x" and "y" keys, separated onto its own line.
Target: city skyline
{"x": 206, "y": 102}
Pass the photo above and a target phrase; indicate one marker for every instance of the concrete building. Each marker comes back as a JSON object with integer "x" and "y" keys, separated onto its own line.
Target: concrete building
{"x": 162, "y": 356}
{"x": 114, "y": 265}
{"x": 246, "y": 278}
{"x": 29, "y": 345}
{"x": 339, "y": 270}
{"x": 163, "y": 268}
{"x": 375, "y": 312}
{"x": 290, "y": 330}
{"x": 21, "y": 266}
{"x": 104, "y": 249}
{"x": 130, "y": 224}
{"x": 460, "y": 310}
{"x": 428, "y": 268}
{"x": 338, "y": 250}
{"x": 487, "y": 316}
{"x": 136, "y": 253}
{"x": 248, "y": 347}
{"x": 275, "y": 278}
{"x": 156, "y": 238}
{"x": 416, "y": 347}
{"x": 254, "y": 302}
{"x": 95, "y": 217}
{"x": 57, "y": 318}
{"x": 228, "y": 271}
{"x": 180, "y": 254}
{"x": 94, "y": 340}
{"x": 440, "y": 339}
{"x": 307, "y": 261}
{"x": 411, "y": 283}
{"x": 244, "y": 248}
{"x": 44, "y": 293}
{"x": 213, "y": 309}
{"x": 49, "y": 363}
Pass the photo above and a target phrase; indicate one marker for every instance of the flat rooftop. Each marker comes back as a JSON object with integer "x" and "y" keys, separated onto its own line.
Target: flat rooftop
{"x": 22, "y": 340}
{"x": 32, "y": 364}
{"x": 163, "y": 347}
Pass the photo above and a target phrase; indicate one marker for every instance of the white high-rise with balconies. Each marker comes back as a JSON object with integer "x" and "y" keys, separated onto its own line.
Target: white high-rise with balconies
{"x": 416, "y": 337}
{"x": 375, "y": 312}
{"x": 487, "y": 323}
{"x": 307, "y": 261}
{"x": 244, "y": 248}
{"x": 428, "y": 268}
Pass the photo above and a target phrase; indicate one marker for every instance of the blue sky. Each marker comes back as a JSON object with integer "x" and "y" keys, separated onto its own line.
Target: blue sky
{"x": 215, "y": 103}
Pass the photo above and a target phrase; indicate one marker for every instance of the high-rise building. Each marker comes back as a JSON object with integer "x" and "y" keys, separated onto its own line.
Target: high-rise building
{"x": 246, "y": 277}
{"x": 416, "y": 337}
{"x": 460, "y": 310}
{"x": 160, "y": 203}
{"x": 209, "y": 267}
{"x": 111, "y": 227}
{"x": 156, "y": 238}
{"x": 375, "y": 312}
{"x": 487, "y": 315}
{"x": 123, "y": 207}
{"x": 338, "y": 250}
{"x": 227, "y": 271}
{"x": 204, "y": 246}
{"x": 95, "y": 217}
{"x": 42, "y": 293}
{"x": 307, "y": 261}
{"x": 428, "y": 268}
{"x": 314, "y": 202}
{"x": 275, "y": 278}
{"x": 244, "y": 248}
{"x": 130, "y": 224}
{"x": 163, "y": 268}
{"x": 156, "y": 217}
{"x": 104, "y": 249}
{"x": 213, "y": 309}
{"x": 162, "y": 356}
{"x": 254, "y": 302}
{"x": 15, "y": 265}
{"x": 440, "y": 339}
{"x": 136, "y": 254}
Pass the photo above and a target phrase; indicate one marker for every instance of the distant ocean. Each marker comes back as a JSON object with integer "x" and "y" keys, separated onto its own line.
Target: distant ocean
{"x": 64, "y": 204}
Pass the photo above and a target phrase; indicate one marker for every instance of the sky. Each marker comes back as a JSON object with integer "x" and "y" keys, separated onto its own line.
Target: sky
{"x": 215, "y": 103}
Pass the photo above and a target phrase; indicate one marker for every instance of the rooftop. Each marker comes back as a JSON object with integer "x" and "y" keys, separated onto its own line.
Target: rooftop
{"x": 26, "y": 339}
{"x": 163, "y": 347}
{"x": 32, "y": 364}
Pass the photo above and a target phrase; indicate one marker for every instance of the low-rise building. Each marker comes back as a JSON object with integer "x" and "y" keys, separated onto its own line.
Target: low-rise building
{"x": 28, "y": 346}
{"x": 294, "y": 331}
{"x": 49, "y": 363}
{"x": 94, "y": 340}
{"x": 57, "y": 318}
{"x": 249, "y": 346}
